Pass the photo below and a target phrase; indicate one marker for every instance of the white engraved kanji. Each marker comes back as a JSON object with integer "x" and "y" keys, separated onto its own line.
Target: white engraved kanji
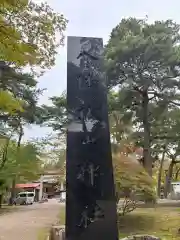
{"x": 96, "y": 215}
{"x": 84, "y": 218}
{"x": 81, "y": 174}
{"x": 92, "y": 172}
{"x": 85, "y": 77}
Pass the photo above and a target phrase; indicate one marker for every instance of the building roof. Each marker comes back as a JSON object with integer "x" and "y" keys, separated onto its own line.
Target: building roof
{"x": 28, "y": 185}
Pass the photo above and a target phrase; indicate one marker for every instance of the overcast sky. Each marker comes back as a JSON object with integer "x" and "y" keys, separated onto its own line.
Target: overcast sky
{"x": 95, "y": 18}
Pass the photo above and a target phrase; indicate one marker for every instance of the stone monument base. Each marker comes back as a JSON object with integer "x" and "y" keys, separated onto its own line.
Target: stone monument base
{"x": 57, "y": 233}
{"x": 141, "y": 237}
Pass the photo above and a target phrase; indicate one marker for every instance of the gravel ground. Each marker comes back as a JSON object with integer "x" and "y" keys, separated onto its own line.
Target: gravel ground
{"x": 26, "y": 223}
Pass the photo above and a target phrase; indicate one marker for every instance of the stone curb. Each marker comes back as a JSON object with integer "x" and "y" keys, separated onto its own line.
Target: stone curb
{"x": 57, "y": 233}
{"x": 141, "y": 237}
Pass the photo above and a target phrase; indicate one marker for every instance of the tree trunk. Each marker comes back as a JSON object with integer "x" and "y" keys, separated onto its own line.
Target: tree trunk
{"x": 4, "y": 155}
{"x": 177, "y": 174}
{"x": 13, "y": 191}
{"x": 147, "y": 160}
{"x": 169, "y": 179}
{"x": 13, "y": 188}
{"x": 1, "y": 198}
{"x": 160, "y": 174}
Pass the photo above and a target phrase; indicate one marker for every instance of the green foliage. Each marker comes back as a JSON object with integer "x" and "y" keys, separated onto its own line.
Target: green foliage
{"x": 18, "y": 105}
{"x": 147, "y": 196}
{"x": 30, "y": 33}
{"x": 131, "y": 177}
{"x": 8, "y": 103}
{"x": 54, "y": 157}
{"x": 142, "y": 60}
{"x": 24, "y": 164}
{"x": 161, "y": 222}
{"x": 18, "y": 97}
{"x": 138, "y": 54}
{"x": 55, "y": 115}
{"x": 120, "y": 120}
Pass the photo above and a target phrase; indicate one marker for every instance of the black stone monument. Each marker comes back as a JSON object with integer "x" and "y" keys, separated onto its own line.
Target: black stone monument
{"x": 90, "y": 204}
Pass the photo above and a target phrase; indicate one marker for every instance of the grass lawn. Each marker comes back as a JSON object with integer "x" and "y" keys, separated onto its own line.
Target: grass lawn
{"x": 161, "y": 222}
{"x": 61, "y": 216}
{"x": 43, "y": 234}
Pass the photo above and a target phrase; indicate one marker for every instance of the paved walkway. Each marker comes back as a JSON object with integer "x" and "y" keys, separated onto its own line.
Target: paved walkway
{"x": 26, "y": 223}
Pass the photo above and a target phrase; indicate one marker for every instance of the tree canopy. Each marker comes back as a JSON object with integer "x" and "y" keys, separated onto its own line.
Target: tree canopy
{"x": 142, "y": 60}
{"x": 23, "y": 165}
{"x": 30, "y": 33}
{"x": 131, "y": 177}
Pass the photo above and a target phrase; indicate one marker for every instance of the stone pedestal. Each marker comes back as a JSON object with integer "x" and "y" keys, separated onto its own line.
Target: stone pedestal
{"x": 57, "y": 233}
{"x": 141, "y": 237}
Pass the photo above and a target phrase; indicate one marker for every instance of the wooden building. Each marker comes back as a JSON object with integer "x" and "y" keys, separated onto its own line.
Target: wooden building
{"x": 50, "y": 184}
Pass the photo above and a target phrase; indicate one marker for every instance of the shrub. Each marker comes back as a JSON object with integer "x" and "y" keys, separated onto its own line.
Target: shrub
{"x": 131, "y": 182}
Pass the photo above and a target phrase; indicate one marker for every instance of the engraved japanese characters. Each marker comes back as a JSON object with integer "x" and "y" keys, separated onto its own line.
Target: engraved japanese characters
{"x": 90, "y": 188}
